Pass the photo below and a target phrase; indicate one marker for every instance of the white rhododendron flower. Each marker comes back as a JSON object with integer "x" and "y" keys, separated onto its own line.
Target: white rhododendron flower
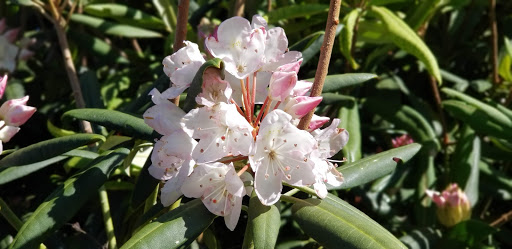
{"x": 9, "y": 51}
{"x": 245, "y": 123}
{"x": 220, "y": 189}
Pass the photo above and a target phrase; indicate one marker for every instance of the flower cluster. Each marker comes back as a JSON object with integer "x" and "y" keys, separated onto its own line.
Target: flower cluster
{"x": 9, "y": 51}
{"x": 13, "y": 113}
{"x": 452, "y": 205}
{"x": 245, "y": 122}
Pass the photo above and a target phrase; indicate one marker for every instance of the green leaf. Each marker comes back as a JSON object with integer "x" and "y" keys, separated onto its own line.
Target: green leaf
{"x": 337, "y": 99}
{"x": 296, "y": 10}
{"x": 347, "y": 35}
{"x": 425, "y": 238}
{"x": 175, "y": 229}
{"x": 314, "y": 47}
{"x": 421, "y": 13}
{"x": 336, "y": 224}
{"x": 337, "y": 82}
{"x": 13, "y": 173}
{"x": 111, "y": 28}
{"x": 349, "y": 116}
{"x": 114, "y": 120}
{"x": 197, "y": 82}
{"x": 125, "y": 14}
{"x": 166, "y": 11}
{"x": 405, "y": 38}
{"x": 464, "y": 163}
{"x": 376, "y": 166}
{"x": 306, "y": 41}
{"x": 470, "y": 232}
{"x": 493, "y": 113}
{"x": 144, "y": 186}
{"x": 96, "y": 46}
{"x": 479, "y": 120}
{"x": 60, "y": 206}
{"x": 48, "y": 149}
{"x": 262, "y": 225}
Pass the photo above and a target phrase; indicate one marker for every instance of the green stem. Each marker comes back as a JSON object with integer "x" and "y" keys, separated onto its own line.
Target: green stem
{"x": 151, "y": 200}
{"x": 291, "y": 192}
{"x": 107, "y": 218}
{"x": 9, "y": 215}
{"x": 307, "y": 190}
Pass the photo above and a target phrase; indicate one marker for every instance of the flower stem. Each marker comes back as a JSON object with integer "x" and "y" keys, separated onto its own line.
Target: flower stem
{"x": 107, "y": 218}
{"x": 303, "y": 189}
{"x": 325, "y": 56}
{"x": 243, "y": 170}
{"x": 245, "y": 100}
{"x": 257, "y": 121}
{"x": 253, "y": 92}
{"x": 9, "y": 215}
{"x": 289, "y": 199}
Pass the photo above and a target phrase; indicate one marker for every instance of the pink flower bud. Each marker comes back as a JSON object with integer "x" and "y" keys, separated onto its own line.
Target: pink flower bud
{"x": 3, "y": 84}
{"x": 281, "y": 85}
{"x": 301, "y": 105}
{"x": 15, "y": 112}
{"x": 452, "y": 205}
{"x": 317, "y": 122}
{"x": 401, "y": 141}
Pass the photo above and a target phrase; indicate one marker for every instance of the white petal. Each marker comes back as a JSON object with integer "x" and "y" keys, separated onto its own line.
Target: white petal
{"x": 231, "y": 219}
{"x": 267, "y": 184}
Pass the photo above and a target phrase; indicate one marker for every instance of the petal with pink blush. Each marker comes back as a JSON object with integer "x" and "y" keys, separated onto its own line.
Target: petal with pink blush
{"x": 281, "y": 85}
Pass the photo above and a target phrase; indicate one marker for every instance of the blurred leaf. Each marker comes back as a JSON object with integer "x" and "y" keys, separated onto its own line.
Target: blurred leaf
{"x": 505, "y": 67}
{"x": 493, "y": 113}
{"x": 114, "y": 120}
{"x": 166, "y": 11}
{"x": 469, "y": 233}
{"x": 460, "y": 84}
{"x": 376, "y": 166}
{"x": 197, "y": 82}
{"x": 337, "y": 99}
{"x": 91, "y": 89}
{"x": 421, "y": 13}
{"x": 111, "y": 28}
{"x": 337, "y": 82}
{"x": 48, "y": 149}
{"x": 347, "y": 35}
{"x": 425, "y": 238}
{"x": 56, "y": 131}
{"x": 82, "y": 154}
{"x": 336, "y": 224}
{"x": 464, "y": 163}
{"x": 306, "y": 41}
{"x": 125, "y": 14}
{"x": 96, "y": 46}
{"x": 144, "y": 186}
{"x": 175, "y": 229}
{"x": 13, "y": 173}
{"x": 262, "y": 225}
{"x": 405, "y": 38}
{"x": 349, "y": 116}
{"x": 296, "y": 10}
{"x": 479, "y": 120}
{"x": 60, "y": 206}
{"x": 494, "y": 179}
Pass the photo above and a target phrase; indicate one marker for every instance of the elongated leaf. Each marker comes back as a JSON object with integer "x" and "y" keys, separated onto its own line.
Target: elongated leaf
{"x": 349, "y": 116}
{"x": 493, "y": 113}
{"x": 296, "y": 10}
{"x": 336, "y": 224}
{"x": 337, "y": 99}
{"x": 66, "y": 200}
{"x": 197, "y": 82}
{"x": 306, "y": 41}
{"x": 125, "y": 14}
{"x": 405, "y": 38}
{"x": 175, "y": 229}
{"x": 464, "y": 166}
{"x": 48, "y": 149}
{"x": 111, "y": 28}
{"x": 347, "y": 35}
{"x": 13, "y": 173}
{"x": 166, "y": 11}
{"x": 82, "y": 154}
{"x": 144, "y": 186}
{"x": 314, "y": 47}
{"x": 479, "y": 120}
{"x": 96, "y": 47}
{"x": 376, "y": 166}
{"x": 337, "y": 82}
{"x": 421, "y": 13}
{"x": 262, "y": 225}
{"x": 114, "y": 120}
{"x": 426, "y": 238}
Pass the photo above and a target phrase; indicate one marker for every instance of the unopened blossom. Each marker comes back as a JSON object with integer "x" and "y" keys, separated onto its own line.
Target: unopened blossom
{"x": 222, "y": 131}
{"x": 452, "y": 205}
{"x": 281, "y": 85}
{"x": 299, "y": 106}
{"x": 181, "y": 68}
{"x": 220, "y": 189}
{"x": 403, "y": 140}
{"x": 240, "y": 46}
{"x": 13, "y": 113}
{"x": 280, "y": 153}
{"x": 329, "y": 142}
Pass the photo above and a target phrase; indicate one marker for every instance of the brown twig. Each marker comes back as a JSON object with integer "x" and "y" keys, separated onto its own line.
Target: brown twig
{"x": 502, "y": 220}
{"x": 437, "y": 98}
{"x": 59, "y": 24}
{"x": 269, "y": 5}
{"x": 325, "y": 57}
{"x": 181, "y": 31}
{"x": 494, "y": 41}
{"x": 239, "y": 8}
